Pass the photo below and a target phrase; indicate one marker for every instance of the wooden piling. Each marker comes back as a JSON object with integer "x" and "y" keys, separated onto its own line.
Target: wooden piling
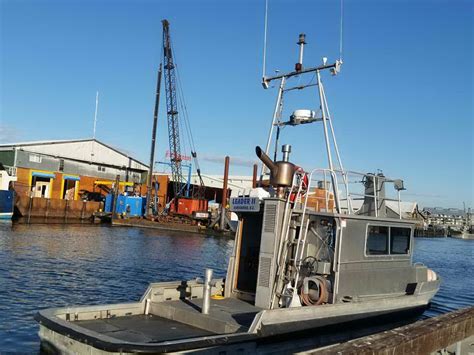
{"x": 224, "y": 193}
{"x": 254, "y": 177}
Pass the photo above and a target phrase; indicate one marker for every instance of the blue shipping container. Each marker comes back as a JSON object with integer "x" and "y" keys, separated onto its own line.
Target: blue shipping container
{"x": 128, "y": 205}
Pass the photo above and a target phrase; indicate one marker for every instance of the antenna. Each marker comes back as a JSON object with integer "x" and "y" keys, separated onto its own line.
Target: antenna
{"x": 301, "y": 42}
{"x": 95, "y": 114}
{"x": 341, "y": 30}
{"x": 265, "y": 40}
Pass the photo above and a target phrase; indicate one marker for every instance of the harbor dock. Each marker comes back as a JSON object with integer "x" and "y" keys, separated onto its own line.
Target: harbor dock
{"x": 450, "y": 333}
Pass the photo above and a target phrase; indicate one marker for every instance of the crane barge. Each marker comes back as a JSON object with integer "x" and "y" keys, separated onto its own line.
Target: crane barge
{"x": 184, "y": 201}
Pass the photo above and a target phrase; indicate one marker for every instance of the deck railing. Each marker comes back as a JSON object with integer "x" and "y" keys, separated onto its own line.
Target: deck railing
{"x": 346, "y": 187}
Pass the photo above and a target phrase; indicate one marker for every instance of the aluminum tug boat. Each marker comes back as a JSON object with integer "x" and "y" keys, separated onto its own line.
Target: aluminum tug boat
{"x": 311, "y": 250}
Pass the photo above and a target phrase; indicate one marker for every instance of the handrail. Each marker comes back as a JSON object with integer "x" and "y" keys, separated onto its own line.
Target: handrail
{"x": 304, "y": 227}
{"x": 347, "y": 194}
{"x": 293, "y": 201}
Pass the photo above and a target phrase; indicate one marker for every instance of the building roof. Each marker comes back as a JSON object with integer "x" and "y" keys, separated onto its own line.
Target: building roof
{"x": 440, "y": 211}
{"x": 407, "y": 207}
{"x": 237, "y": 182}
{"x": 54, "y": 141}
{"x": 81, "y": 149}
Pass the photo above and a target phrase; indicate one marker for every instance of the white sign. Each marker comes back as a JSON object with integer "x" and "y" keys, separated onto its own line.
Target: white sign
{"x": 244, "y": 204}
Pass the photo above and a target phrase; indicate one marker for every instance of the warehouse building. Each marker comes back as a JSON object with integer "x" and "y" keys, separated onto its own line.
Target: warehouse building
{"x": 70, "y": 169}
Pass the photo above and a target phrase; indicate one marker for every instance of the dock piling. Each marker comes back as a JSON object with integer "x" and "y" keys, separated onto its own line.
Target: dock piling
{"x": 224, "y": 193}
{"x": 254, "y": 176}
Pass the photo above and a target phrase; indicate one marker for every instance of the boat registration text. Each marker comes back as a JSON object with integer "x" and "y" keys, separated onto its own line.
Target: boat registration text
{"x": 244, "y": 204}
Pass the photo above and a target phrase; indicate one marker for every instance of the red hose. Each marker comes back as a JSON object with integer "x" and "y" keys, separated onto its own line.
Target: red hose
{"x": 323, "y": 293}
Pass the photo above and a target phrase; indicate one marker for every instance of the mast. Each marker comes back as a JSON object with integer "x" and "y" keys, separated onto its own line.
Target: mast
{"x": 329, "y": 135}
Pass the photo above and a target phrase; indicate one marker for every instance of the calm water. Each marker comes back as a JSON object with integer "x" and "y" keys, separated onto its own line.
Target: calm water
{"x": 52, "y": 266}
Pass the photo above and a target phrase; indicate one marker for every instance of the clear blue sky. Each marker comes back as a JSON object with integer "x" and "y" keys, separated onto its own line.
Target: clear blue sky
{"x": 402, "y": 103}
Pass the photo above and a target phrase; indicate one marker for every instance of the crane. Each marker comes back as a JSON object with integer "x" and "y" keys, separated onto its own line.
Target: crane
{"x": 172, "y": 112}
{"x": 176, "y": 158}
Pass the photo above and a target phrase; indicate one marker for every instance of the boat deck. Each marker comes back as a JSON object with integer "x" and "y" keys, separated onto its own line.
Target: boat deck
{"x": 225, "y": 316}
{"x": 237, "y": 314}
{"x": 173, "y": 320}
{"x": 142, "y": 328}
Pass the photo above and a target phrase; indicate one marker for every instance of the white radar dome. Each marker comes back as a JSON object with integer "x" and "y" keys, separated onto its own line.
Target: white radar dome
{"x": 302, "y": 116}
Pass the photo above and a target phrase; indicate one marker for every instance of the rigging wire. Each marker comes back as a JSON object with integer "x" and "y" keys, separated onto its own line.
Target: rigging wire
{"x": 184, "y": 148}
{"x": 312, "y": 78}
{"x": 182, "y": 103}
{"x": 187, "y": 123}
{"x": 184, "y": 107}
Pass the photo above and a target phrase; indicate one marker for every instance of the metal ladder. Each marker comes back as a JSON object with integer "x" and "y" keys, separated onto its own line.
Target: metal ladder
{"x": 304, "y": 226}
{"x": 285, "y": 244}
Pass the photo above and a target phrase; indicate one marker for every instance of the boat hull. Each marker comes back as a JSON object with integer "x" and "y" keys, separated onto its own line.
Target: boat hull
{"x": 66, "y": 337}
{"x": 7, "y": 200}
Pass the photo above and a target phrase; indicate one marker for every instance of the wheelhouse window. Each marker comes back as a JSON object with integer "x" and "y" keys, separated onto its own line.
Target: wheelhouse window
{"x": 399, "y": 240}
{"x": 377, "y": 240}
{"x": 380, "y": 237}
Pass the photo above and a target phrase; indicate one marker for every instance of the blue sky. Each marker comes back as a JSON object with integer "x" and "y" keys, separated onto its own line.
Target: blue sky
{"x": 402, "y": 103}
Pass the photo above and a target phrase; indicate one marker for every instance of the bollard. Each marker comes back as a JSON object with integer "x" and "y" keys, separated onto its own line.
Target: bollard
{"x": 147, "y": 306}
{"x": 206, "y": 295}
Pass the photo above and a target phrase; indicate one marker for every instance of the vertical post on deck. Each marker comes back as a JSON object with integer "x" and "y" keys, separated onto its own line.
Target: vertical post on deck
{"x": 206, "y": 295}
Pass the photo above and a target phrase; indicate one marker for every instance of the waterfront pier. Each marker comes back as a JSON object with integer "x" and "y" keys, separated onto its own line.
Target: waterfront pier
{"x": 450, "y": 333}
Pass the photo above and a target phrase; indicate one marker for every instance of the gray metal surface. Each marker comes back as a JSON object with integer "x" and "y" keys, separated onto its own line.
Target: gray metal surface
{"x": 228, "y": 315}
{"x": 271, "y": 231}
{"x": 142, "y": 329}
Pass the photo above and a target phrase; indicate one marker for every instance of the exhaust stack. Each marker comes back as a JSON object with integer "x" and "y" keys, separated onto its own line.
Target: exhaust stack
{"x": 281, "y": 172}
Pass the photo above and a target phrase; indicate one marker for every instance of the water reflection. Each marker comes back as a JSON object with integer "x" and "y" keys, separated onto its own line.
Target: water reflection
{"x": 52, "y": 266}
{"x": 45, "y": 266}
{"x": 452, "y": 259}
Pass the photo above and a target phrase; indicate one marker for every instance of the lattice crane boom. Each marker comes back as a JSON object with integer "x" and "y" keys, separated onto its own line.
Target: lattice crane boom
{"x": 172, "y": 112}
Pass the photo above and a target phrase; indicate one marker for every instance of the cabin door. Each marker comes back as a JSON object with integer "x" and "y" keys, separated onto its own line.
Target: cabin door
{"x": 247, "y": 269}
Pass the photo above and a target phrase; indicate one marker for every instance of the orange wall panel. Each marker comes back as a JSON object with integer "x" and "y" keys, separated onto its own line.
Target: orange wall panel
{"x": 57, "y": 185}
{"x": 22, "y": 185}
